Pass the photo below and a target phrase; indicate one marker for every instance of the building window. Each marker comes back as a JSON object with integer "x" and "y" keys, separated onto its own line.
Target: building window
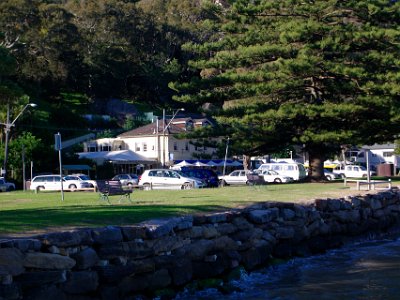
{"x": 189, "y": 126}
{"x": 105, "y": 147}
{"x": 187, "y": 146}
{"x": 175, "y": 146}
{"x": 388, "y": 154}
{"x": 92, "y": 148}
{"x": 144, "y": 147}
{"x": 152, "y": 147}
{"x": 137, "y": 147}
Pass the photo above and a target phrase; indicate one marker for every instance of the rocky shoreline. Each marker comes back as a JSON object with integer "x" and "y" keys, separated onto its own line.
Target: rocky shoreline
{"x": 122, "y": 262}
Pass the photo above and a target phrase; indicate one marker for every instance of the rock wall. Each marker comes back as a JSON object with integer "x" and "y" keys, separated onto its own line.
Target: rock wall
{"x": 120, "y": 262}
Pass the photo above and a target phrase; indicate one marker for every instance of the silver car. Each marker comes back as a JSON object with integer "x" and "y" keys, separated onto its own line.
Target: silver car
{"x": 128, "y": 180}
{"x": 235, "y": 177}
{"x": 167, "y": 179}
{"x": 273, "y": 176}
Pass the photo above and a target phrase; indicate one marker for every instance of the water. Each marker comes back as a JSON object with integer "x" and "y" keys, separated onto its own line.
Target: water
{"x": 364, "y": 270}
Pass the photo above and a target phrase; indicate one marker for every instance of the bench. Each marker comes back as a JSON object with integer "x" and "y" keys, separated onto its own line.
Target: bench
{"x": 371, "y": 183}
{"x": 109, "y": 188}
{"x": 255, "y": 179}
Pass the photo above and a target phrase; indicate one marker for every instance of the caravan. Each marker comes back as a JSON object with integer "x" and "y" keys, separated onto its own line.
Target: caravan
{"x": 294, "y": 170}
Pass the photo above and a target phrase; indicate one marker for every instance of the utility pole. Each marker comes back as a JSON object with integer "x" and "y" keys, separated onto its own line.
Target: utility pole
{"x": 226, "y": 155}
{"x": 7, "y": 128}
{"x": 165, "y": 128}
{"x": 58, "y": 147}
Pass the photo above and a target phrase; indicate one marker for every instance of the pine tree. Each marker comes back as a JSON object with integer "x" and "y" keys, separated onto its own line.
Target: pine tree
{"x": 319, "y": 74}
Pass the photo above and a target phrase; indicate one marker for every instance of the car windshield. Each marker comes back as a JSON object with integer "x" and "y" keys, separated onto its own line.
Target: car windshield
{"x": 84, "y": 177}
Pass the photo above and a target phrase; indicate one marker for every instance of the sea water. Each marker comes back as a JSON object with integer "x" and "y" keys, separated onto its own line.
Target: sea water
{"x": 361, "y": 270}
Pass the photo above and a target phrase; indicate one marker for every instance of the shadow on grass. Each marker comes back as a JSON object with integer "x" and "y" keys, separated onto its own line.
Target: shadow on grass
{"x": 31, "y": 220}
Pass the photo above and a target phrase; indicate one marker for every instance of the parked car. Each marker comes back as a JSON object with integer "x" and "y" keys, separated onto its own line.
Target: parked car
{"x": 273, "y": 176}
{"x": 294, "y": 170}
{"x": 208, "y": 176}
{"x": 330, "y": 175}
{"x": 128, "y": 180}
{"x": 6, "y": 186}
{"x": 235, "y": 177}
{"x": 53, "y": 183}
{"x": 353, "y": 171}
{"x": 82, "y": 177}
{"x": 167, "y": 179}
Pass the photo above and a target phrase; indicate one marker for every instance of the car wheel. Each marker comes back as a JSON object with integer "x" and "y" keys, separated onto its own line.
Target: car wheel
{"x": 146, "y": 186}
{"x": 222, "y": 183}
{"x": 130, "y": 185}
{"x": 277, "y": 180}
{"x": 40, "y": 188}
{"x": 187, "y": 186}
{"x": 10, "y": 189}
{"x": 72, "y": 187}
{"x": 328, "y": 177}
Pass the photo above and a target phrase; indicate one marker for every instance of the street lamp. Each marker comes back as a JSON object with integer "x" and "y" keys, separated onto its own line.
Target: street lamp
{"x": 7, "y": 128}
{"x": 226, "y": 156}
{"x": 166, "y": 127}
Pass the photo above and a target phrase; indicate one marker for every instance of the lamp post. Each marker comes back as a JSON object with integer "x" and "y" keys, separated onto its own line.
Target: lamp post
{"x": 165, "y": 128}
{"x": 7, "y": 128}
{"x": 226, "y": 156}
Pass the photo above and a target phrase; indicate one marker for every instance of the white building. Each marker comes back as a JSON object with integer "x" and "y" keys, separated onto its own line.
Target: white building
{"x": 155, "y": 143}
{"x": 379, "y": 154}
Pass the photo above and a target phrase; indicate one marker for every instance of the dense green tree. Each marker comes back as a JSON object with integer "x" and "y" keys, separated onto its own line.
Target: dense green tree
{"x": 314, "y": 73}
{"x": 43, "y": 40}
{"x": 9, "y": 89}
{"x": 23, "y": 146}
{"x": 11, "y": 94}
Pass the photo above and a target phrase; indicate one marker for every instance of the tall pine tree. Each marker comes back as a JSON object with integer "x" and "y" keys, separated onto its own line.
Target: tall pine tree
{"x": 320, "y": 74}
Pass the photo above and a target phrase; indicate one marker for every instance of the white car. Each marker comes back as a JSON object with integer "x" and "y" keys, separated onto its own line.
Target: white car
{"x": 167, "y": 179}
{"x": 82, "y": 177}
{"x": 273, "y": 176}
{"x": 235, "y": 177}
{"x": 330, "y": 175}
{"x": 6, "y": 186}
{"x": 53, "y": 183}
{"x": 353, "y": 171}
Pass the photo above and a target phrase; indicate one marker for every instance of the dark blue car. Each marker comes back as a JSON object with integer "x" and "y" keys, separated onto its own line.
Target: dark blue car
{"x": 207, "y": 175}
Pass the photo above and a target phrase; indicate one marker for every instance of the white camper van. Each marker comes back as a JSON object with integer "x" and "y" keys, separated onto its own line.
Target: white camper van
{"x": 294, "y": 170}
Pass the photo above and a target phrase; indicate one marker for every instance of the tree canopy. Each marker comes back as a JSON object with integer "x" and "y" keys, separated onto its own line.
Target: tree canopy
{"x": 94, "y": 49}
{"x": 319, "y": 74}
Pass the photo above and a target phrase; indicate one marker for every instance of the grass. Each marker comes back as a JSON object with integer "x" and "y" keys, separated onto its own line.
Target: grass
{"x": 28, "y": 212}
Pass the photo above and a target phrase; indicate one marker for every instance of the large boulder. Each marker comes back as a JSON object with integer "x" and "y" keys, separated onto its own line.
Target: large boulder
{"x": 48, "y": 261}
{"x": 11, "y": 261}
{"x": 80, "y": 282}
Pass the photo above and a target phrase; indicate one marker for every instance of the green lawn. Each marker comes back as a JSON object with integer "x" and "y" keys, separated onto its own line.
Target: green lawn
{"x": 26, "y": 212}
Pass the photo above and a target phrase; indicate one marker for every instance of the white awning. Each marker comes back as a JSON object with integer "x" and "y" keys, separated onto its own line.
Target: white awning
{"x": 120, "y": 156}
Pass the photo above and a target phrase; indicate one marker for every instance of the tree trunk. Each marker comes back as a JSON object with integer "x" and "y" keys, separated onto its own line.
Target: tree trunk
{"x": 316, "y": 165}
{"x": 246, "y": 162}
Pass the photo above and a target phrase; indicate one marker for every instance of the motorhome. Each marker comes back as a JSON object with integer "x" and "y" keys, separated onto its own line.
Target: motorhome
{"x": 294, "y": 170}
